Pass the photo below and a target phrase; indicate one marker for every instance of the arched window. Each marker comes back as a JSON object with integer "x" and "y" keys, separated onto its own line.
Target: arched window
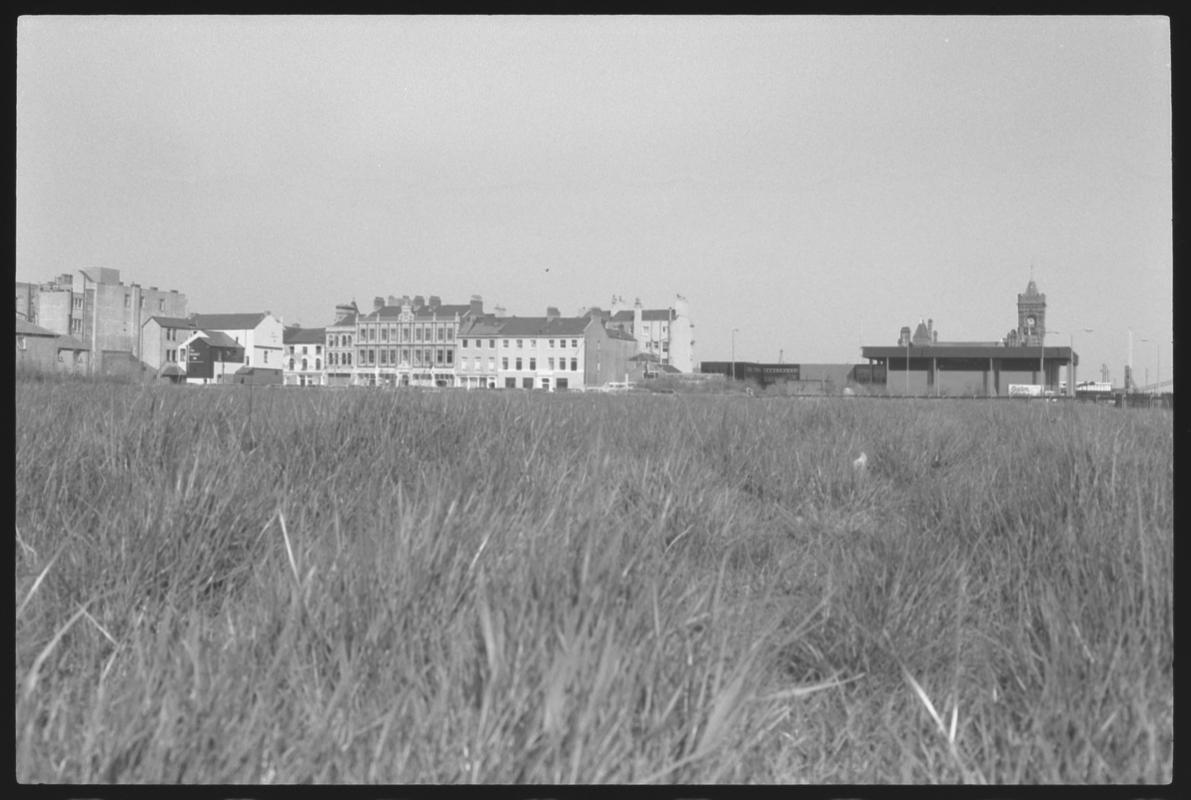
{"x": 318, "y": 363}
{"x": 291, "y": 365}
{"x": 303, "y": 365}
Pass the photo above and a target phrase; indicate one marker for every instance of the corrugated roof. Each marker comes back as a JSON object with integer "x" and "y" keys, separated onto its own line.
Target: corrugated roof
{"x": 227, "y": 322}
{"x": 304, "y": 335}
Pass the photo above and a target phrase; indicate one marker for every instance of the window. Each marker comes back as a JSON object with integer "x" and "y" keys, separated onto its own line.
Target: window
{"x": 127, "y": 301}
{"x": 545, "y": 383}
{"x": 550, "y": 343}
{"x": 384, "y": 334}
{"x": 384, "y": 356}
{"x": 504, "y": 362}
{"x": 22, "y": 344}
{"x": 491, "y": 344}
{"x": 510, "y": 383}
{"x": 450, "y": 356}
{"x": 506, "y": 343}
{"x": 267, "y": 355}
{"x": 303, "y": 365}
{"x": 533, "y": 363}
{"x": 550, "y": 363}
{"x": 574, "y": 342}
{"x": 318, "y": 363}
{"x": 305, "y": 352}
{"x": 405, "y": 355}
{"x": 142, "y": 302}
{"x": 442, "y": 334}
{"x": 318, "y": 349}
{"x": 478, "y": 359}
{"x": 574, "y": 365}
{"x": 533, "y": 343}
{"x": 560, "y": 384}
{"x": 463, "y": 343}
{"x": 519, "y": 343}
{"x": 450, "y": 334}
{"x": 439, "y": 357}
{"x": 518, "y": 363}
{"x": 527, "y": 383}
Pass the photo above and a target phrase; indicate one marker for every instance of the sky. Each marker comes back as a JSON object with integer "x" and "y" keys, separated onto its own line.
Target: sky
{"x": 813, "y": 182}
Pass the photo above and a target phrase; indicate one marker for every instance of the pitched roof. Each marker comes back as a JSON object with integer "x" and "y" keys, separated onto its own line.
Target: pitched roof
{"x": 227, "y": 322}
{"x": 544, "y": 326}
{"x": 171, "y": 322}
{"x": 481, "y": 326}
{"x": 441, "y": 311}
{"x": 71, "y": 343}
{"x": 220, "y": 339}
{"x": 647, "y": 315}
{"x": 26, "y": 328}
{"x": 304, "y": 335}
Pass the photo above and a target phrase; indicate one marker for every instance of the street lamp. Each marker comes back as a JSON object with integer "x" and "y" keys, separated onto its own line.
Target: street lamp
{"x": 1071, "y": 366}
{"x": 907, "y": 366}
{"x": 1157, "y": 359}
{"x": 734, "y": 330}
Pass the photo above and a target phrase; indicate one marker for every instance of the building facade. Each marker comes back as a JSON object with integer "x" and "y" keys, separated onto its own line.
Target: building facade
{"x": 304, "y": 360}
{"x": 260, "y": 334}
{"x": 161, "y": 340}
{"x": 407, "y": 341}
{"x": 39, "y": 349}
{"x": 212, "y": 357}
{"x": 666, "y": 333}
{"x": 97, "y": 308}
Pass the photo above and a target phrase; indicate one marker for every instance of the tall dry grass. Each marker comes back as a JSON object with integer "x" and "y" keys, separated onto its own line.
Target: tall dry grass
{"x": 237, "y": 585}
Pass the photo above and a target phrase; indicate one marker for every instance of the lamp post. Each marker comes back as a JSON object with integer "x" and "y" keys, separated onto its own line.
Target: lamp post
{"x": 907, "y": 366}
{"x": 734, "y": 330}
{"x": 1157, "y": 359}
{"x": 1071, "y": 366}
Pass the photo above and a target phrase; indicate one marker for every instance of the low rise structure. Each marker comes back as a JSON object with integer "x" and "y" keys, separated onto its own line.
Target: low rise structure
{"x": 259, "y": 333}
{"x": 161, "y": 341}
{"x": 39, "y": 349}
{"x": 212, "y": 357}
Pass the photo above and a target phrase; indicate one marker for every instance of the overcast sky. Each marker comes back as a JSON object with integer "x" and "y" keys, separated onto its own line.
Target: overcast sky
{"x": 815, "y": 182}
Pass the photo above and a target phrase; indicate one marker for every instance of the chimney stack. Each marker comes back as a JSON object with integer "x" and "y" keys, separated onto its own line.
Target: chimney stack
{"x": 378, "y": 303}
{"x": 477, "y": 305}
{"x": 551, "y": 312}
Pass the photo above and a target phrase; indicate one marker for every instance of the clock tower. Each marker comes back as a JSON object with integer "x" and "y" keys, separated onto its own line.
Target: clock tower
{"x": 1031, "y": 316}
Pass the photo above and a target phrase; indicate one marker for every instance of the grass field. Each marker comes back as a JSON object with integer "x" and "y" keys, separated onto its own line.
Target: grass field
{"x": 237, "y": 585}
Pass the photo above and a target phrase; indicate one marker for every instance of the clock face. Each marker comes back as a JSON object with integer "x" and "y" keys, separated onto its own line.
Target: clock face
{"x": 1030, "y": 321}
